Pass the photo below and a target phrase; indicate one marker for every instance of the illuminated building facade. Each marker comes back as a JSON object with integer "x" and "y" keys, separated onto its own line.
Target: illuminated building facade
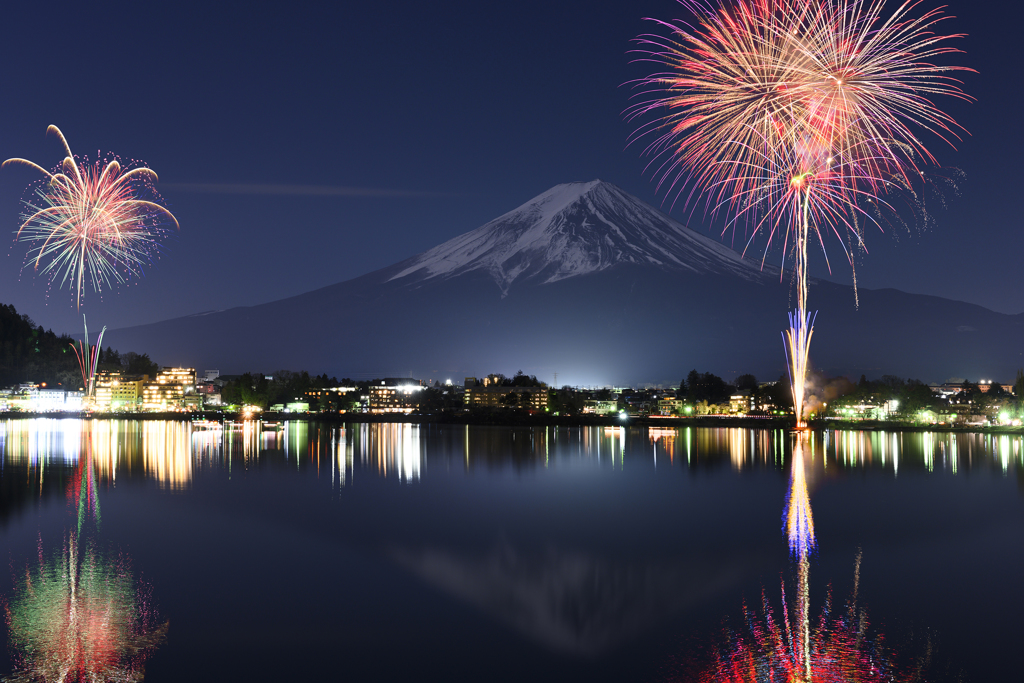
{"x": 292, "y": 407}
{"x": 331, "y": 399}
{"x": 167, "y": 391}
{"x": 30, "y": 398}
{"x": 532, "y": 398}
{"x": 597, "y": 407}
{"x": 209, "y": 391}
{"x": 192, "y": 402}
{"x": 394, "y": 396}
{"x": 741, "y": 403}
{"x": 115, "y": 392}
{"x": 670, "y": 406}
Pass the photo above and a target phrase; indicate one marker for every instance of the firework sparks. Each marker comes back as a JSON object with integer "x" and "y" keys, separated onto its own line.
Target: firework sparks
{"x": 800, "y": 530}
{"x": 794, "y": 119}
{"x": 793, "y": 647}
{"x": 79, "y": 615}
{"x": 767, "y": 650}
{"x": 88, "y": 357}
{"x": 92, "y": 222}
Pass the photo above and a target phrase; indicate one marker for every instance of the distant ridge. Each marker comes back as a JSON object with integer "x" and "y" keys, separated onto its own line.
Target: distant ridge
{"x": 589, "y": 282}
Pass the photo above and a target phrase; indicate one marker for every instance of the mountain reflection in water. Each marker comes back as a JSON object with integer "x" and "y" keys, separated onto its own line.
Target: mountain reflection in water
{"x": 569, "y": 600}
{"x": 569, "y": 553}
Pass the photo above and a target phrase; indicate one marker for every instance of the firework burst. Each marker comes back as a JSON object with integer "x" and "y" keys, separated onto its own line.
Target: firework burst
{"x": 93, "y": 222}
{"x": 795, "y": 120}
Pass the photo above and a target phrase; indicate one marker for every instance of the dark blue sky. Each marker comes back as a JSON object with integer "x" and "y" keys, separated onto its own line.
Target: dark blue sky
{"x": 449, "y": 113}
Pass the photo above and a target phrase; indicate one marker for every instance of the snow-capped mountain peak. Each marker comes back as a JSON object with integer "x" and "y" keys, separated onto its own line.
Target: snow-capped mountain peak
{"x": 575, "y": 229}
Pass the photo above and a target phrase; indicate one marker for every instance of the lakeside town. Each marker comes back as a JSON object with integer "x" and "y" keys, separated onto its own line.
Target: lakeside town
{"x": 959, "y": 402}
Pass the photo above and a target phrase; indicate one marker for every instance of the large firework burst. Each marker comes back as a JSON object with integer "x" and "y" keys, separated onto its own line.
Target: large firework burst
{"x": 794, "y": 119}
{"x": 93, "y": 221}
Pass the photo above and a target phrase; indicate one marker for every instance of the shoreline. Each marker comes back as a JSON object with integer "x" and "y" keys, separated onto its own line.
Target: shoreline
{"x": 538, "y": 420}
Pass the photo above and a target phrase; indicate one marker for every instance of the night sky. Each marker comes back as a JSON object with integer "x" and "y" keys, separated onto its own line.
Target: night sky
{"x": 307, "y": 144}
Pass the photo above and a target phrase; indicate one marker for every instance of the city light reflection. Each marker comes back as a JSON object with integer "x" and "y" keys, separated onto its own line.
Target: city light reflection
{"x": 666, "y": 438}
{"x": 78, "y": 614}
{"x": 167, "y": 453}
{"x": 342, "y": 460}
{"x": 603, "y": 443}
{"x": 391, "y": 448}
{"x": 791, "y": 647}
{"x": 170, "y": 452}
{"x": 42, "y": 440}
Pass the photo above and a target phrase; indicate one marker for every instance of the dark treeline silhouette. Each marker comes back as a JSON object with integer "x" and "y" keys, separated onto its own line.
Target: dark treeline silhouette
{"x": 28, "y": 353}
{"x": 520, "y": 379}
{"x": 706, "y": 387}
{"x": 129, "y": 363}
{"x": 285, "y": 386}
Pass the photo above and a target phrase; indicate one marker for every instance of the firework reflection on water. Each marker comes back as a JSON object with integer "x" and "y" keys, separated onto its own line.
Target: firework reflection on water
{"x": 79, "y": 614}
{"x": 790, "y": 645}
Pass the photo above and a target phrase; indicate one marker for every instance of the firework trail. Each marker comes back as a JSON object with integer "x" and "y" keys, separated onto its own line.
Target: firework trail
{"x": 794, "y": 119}
{"x": 88, "y": 357}
{"x": 93, "y": 222}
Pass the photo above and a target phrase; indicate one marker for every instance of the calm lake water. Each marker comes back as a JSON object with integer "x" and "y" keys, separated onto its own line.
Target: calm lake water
{"x": 402, "y": 552}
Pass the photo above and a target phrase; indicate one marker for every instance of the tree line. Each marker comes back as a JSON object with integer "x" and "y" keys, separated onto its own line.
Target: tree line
{"x": 28, "y": 353}
{"x": 285, "y": 386}
{"x": 707, "y": 389}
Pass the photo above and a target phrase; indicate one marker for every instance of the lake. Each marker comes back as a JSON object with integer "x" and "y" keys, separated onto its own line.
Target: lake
{"x": 315, "y": 551}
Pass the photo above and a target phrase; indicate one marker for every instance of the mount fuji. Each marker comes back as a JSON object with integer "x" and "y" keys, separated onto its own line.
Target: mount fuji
{"x": 573, "y": 230}
{"x": 593, "y": 284}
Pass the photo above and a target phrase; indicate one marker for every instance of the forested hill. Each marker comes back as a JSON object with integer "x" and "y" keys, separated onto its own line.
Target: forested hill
{"x": 28, "y": 353}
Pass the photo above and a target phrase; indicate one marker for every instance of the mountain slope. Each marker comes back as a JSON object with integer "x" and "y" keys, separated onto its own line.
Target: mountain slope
{"x": 571, "y": 230}
{"x": 591, "y": 283}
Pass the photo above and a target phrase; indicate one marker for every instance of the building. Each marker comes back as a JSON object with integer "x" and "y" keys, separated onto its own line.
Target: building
{"x": 950, "y": 389}
{"x": 31, "y": 398}
{"x": 291, "y": 407}
{"x": 392, "y": 395}
{"x": 209, "y": 392}
{"x": 670, "y": 406}
{"x": 986, "y": 385}
{"x": 114, "y": 392}
{"x": 868, "y": 409}
{"x": 741, "y": 403}
{"x": 167, "y": 391}
{"x": 193, "y": 402}
{"x": 332, "y": 399}
{"x": 497, "y": 396}
{"x": 598, "y": 407}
